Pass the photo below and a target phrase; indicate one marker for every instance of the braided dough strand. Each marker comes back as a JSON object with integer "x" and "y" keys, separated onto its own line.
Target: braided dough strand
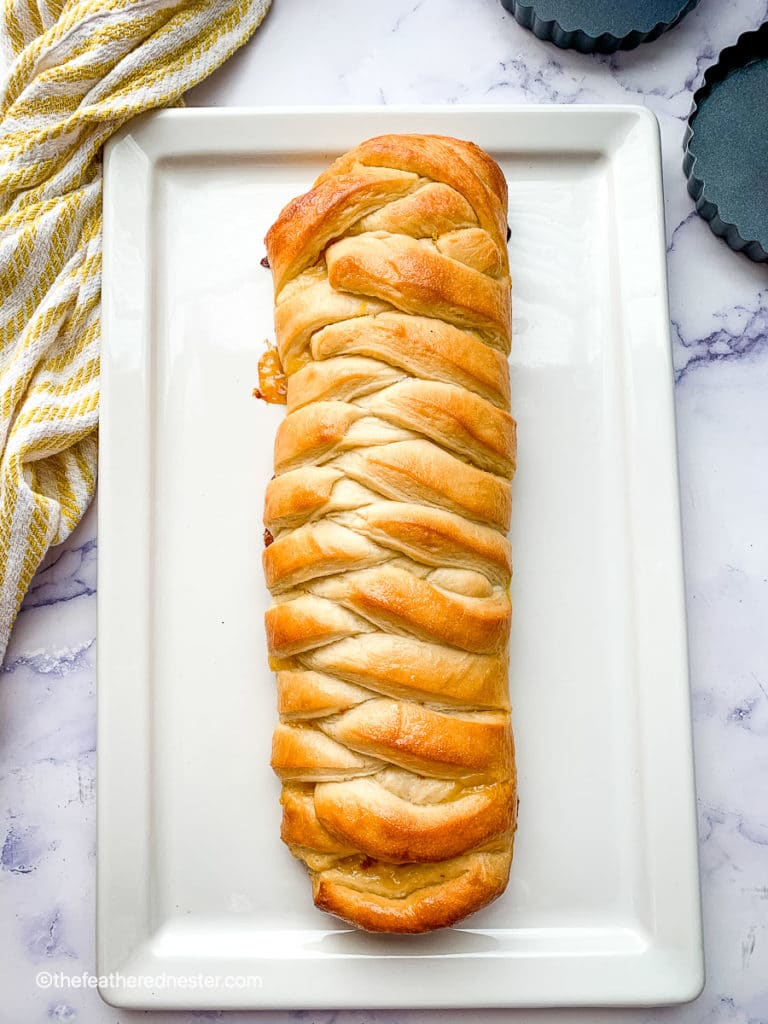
{"x": 390, "y": 566}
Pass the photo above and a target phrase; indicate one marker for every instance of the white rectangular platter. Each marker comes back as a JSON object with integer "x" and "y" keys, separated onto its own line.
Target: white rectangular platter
{"x": 603, "y": 903}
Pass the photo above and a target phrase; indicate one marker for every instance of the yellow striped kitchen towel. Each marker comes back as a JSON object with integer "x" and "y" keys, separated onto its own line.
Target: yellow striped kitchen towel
{"x": 77, "y": 72}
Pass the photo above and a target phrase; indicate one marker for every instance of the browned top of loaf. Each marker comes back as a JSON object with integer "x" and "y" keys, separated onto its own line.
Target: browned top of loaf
{"x": 389, "y": 565}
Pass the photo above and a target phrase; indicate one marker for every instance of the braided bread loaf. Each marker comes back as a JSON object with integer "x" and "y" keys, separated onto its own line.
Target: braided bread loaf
{"x": 389, "y": 507}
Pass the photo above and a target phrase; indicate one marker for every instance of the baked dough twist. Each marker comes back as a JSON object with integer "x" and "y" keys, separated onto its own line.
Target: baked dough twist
{"x": 389, "y": 509}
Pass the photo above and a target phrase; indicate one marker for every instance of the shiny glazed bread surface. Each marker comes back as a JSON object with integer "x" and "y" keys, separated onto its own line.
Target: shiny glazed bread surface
{"x": 389, "y": 565}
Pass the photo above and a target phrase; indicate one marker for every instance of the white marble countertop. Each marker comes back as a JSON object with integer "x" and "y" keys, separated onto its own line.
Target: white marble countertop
{"x": 437, "y": 51}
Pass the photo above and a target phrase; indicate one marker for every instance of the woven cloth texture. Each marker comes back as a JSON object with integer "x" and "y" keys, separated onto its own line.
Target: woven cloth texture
{"x": 77, "y": 72}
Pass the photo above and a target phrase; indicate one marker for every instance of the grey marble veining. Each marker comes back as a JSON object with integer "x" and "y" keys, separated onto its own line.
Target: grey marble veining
{"x": 438, "y": 51}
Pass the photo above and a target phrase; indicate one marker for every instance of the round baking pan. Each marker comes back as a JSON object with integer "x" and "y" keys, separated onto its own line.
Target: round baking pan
{"x": 726, "y": 146}
{"x": 598, "y": 26}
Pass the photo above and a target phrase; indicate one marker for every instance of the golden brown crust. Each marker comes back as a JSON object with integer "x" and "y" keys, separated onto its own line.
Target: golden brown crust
{"x": 405, "y": 667}
{"x": 380, "y": 824}
{"x": 394, "y": 598}
{"x": 463, "y": 166}
{"x": 430, "y": 212}
{"x": 314, "y": 550}
{"x": 420, "y": 898}
{"x": 433, "y": 536}
{"x": 294, "y": 497}
{"x": 309, "y": 304}
{"x": 302, "y": 754}
{"x": 419, "y": 471}
{"x": 343, "y": 379}
{"x": 300, "y": 825}
{"x": 418, "y": 279}
{"x": 304, "y": 622}
{"x": 388, "y": 560}
{"x": 310, "y": 221}
{"x": 434, "y": 744}
{"x": 450, "y": 416}
{"x": 304, "y": 694}
{"x": 423, "y": 347}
